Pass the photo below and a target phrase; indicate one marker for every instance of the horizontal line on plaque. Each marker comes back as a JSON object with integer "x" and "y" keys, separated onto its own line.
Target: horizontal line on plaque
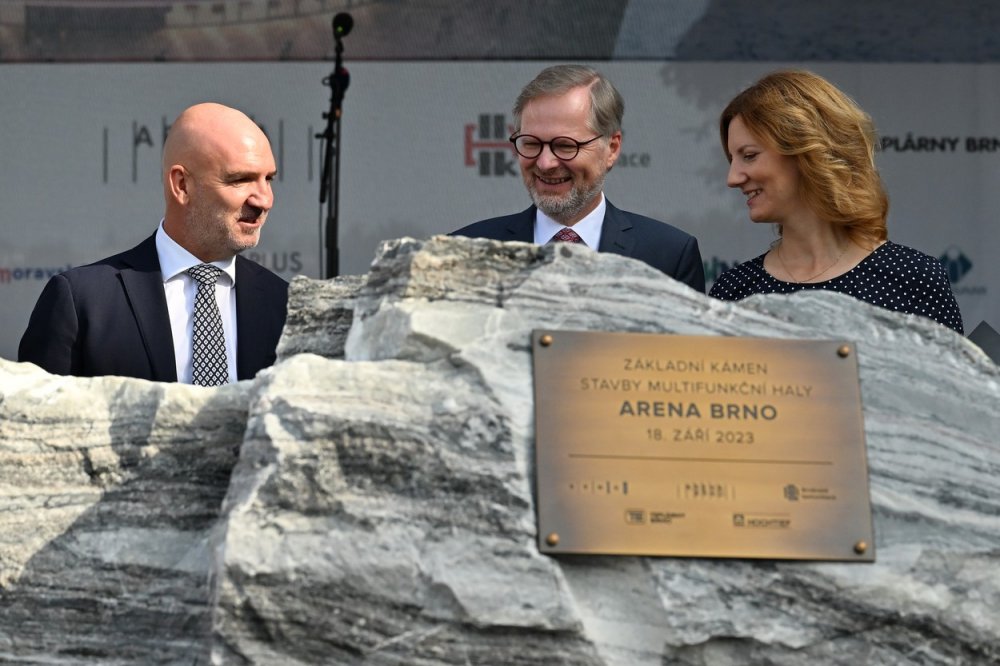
{"x": 710, "y": 460}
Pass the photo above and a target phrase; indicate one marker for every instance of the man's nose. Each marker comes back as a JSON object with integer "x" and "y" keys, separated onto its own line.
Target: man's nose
{"x": 262, "y": 195}
{"x": 547, "y": 159}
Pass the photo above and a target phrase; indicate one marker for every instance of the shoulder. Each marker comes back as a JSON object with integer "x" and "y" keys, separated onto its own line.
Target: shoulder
{"x": 920, "y": 284}
{"x": 905, "y": 261}
{"x": 741, "y": 281}
{"x": 494, "y": 227}
{"x": 260, "y": 277}
{"x": 890, "y": 249}
{"x": 480, "y": 228}
{"x": 649, "y": 227}
{"x": 100, "y": 272}
{"x": 81, "y": 292}
{"x": 142, "y": 257}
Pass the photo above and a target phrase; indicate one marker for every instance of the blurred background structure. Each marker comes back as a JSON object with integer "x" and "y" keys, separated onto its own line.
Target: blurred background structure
{"x": 88, "y": 89}
{"x": 685, "y": 30}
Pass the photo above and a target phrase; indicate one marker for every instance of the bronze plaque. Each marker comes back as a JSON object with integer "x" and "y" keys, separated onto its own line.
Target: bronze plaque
{"x": 700, "y": 446}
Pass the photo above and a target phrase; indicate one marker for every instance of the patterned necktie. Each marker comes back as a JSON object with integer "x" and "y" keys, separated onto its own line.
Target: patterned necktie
{"x": 566, "y": 235}
{"x": 208, "y": 341}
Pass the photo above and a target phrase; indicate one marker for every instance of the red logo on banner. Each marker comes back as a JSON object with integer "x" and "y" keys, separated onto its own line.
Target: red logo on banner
{"x": 488, "y": 148}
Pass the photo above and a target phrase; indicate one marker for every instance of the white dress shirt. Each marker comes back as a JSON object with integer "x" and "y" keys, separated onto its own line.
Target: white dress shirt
{"x": 589, "y": 228}
{"x": 180, "y": 289}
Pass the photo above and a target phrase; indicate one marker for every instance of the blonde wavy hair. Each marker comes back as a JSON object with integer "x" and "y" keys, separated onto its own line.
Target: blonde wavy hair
{"x": 802, "y": 115}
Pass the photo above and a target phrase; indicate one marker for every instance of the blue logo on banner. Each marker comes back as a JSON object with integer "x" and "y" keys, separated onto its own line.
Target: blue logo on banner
{"x": 955, "y": 263}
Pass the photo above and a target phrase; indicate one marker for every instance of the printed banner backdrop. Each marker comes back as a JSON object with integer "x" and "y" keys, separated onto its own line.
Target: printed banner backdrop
{"x": 424, "y": 152}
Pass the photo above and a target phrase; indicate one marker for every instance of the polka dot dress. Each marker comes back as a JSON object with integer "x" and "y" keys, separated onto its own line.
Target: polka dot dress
{"x": 894, "y": 277}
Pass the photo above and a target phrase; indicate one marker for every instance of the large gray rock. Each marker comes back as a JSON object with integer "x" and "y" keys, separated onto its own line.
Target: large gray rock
{"x": 109, "y": 488}
{"x": 382, "y": 510}
{"x": 380, "y": 513}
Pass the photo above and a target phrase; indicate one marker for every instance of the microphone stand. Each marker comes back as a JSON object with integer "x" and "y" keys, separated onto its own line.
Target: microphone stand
{"x": 338, "y": 81}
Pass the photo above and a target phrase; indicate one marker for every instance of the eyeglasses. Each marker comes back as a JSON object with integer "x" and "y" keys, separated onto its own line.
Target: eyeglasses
{"x": 529, "y": 147}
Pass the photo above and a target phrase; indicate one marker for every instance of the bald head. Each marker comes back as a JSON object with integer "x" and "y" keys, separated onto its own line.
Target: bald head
{"x": 205, "y": 131}
{"x": 217, "y": 171}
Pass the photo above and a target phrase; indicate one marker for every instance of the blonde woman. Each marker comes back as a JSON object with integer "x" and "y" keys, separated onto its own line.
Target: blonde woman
{"x": 802, "y": 153}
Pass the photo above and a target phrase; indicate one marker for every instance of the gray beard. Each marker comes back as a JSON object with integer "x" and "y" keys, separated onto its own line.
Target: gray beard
{"x": 566, "y": 208}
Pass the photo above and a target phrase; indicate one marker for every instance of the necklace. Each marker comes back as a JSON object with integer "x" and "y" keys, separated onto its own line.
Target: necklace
{"x": 811, "y": 278}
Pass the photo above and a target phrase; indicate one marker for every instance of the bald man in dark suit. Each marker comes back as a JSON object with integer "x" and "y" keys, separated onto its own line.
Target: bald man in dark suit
{"x": 132, "y": 314}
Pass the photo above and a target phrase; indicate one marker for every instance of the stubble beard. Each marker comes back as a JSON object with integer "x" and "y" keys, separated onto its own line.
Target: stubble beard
{"x": 238, "y": 242}
{"x": 216, "y": 232}
{"x": 569, "y": 206}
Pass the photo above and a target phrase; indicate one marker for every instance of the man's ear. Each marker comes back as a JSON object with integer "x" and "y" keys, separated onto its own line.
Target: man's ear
{"x": 615, "y": 146}
{"x": 179, "y": 184}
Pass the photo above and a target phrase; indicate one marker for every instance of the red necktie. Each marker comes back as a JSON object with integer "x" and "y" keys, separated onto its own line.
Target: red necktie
{"x": 566, "y": 235}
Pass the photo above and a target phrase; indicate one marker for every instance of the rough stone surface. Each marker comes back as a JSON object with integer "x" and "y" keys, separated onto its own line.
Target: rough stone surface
{"x": 381, "y": 510}
{"x": 109, "y": 488}
{"x": 394, "y": 528}
{"x": 319, "y": 316}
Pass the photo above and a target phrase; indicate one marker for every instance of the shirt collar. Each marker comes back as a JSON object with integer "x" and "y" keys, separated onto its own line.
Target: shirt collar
{"x": 589, "y": 228}
{"x": 174, "y": 259}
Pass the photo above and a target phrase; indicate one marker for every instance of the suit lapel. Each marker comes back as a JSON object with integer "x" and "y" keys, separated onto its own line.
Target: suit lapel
{"x": 615, "y": 232}
{"x": 143, "y": 284}
{"x": 521, "y": 226}
{"x": 248, "y": 345}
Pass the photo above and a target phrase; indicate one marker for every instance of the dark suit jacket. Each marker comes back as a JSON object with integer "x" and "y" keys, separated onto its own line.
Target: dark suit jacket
{"x": 110, "y": 318}
{"x": 660, "y": 245}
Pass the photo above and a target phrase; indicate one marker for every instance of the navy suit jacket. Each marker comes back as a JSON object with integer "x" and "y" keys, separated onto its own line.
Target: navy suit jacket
{"x": 110, "y": 318}
{"x": 660, "y": 245}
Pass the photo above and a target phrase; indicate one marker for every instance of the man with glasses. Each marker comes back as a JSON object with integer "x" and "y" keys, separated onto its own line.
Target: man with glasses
{"x": 567, "y": 137}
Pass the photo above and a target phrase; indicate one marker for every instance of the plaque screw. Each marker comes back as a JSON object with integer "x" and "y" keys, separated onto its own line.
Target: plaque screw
{"x": 545, "y": 341}
{"x": 843, "y": 351}
{"x": 552, "y": 539}
{"x": 860, "y": 547}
